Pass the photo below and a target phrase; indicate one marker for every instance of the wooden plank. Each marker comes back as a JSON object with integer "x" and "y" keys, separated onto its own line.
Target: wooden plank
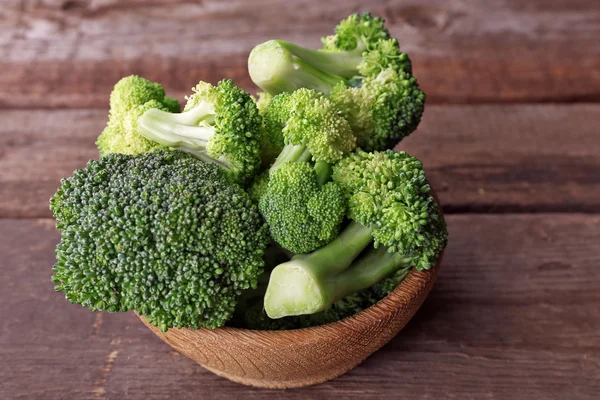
{"x": 479, "y": 158}
{"x": 515, "y": 313}
{"x": 511, "y": 158}
{"x": 69, "y": 53}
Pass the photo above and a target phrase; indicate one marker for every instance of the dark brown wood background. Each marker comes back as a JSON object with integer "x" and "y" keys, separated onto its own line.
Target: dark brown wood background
{"x": 510, "y": 139}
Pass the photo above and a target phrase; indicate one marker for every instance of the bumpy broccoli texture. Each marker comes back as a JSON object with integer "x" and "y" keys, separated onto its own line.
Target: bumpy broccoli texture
{"x": 131, "y": 97}
{"x": 220, "y": 124}
{"x": 161, "y": 233}
{"x": 301, "y": 213}
{"x": 390, "y": 205}
{"x": 306, "y": 126}
{"x": 361, "y": 69}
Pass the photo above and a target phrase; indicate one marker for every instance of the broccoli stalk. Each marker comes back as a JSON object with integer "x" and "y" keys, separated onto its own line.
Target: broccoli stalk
{"x": 190, "y": 131}
{"x": 219, "y": 124}
{"x": 278, "y": 66}
{"x": 314, "y": 281}
{"x": 361, "y": 47}
{"x": 390, "y": 204}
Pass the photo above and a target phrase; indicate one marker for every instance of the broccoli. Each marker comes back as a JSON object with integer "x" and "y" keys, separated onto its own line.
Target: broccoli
{"x": 161, "y": 233}
{"x": 302, "y": 213}
{"x": 130, "y": 98}
{"x": 361, "y": 48}
{"x": 219, "y": 124}
{"x": 306, "y": 126}
{"x": 363, "y": 71}
{"x": 390, "y": 205}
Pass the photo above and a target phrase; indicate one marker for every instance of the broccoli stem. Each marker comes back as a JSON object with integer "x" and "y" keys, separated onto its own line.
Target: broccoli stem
{"x": 279, "y": 66}
{"x": 323, "y": 171}
{"x": 372, "y": 267}
{"x": 189, "y": 131}
{"x": 291, "y": 153}
{"x": 303, "y": 285}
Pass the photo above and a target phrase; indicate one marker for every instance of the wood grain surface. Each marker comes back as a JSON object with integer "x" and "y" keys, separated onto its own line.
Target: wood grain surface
{"x": 69, "y": 53}
{"x": 514, "y": 314}
{"x": 478, "y": 158}
{"x": 510, "y": 141}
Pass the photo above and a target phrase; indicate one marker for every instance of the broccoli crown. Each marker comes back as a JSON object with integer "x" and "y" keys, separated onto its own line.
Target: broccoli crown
{"x": 306, "y": 117}
{"x": 389, "y": 192}
{"x": 236, "y": 123}
{"x": 302, "y": 215}
{"x": 383, "y": 110}
{"x": 161, "y": 233}
{"x": 367, "y": 35}
{"x": 130, "y": 98}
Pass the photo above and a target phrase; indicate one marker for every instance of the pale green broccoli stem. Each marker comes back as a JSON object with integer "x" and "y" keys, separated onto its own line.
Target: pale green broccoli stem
{"x": 323, "y": 171}
{"x": 303, "y": 284}
{"x": 291, "y": 153}
{"x": 367, "y": 271}
{"x": 189, "y": 131}
{"x": 278, "y": 66}
{"x": 300, "y": 153}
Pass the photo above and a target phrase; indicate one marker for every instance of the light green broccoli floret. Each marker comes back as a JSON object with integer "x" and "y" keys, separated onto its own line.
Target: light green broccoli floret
{"x": 219, "y": 124}
{"x": 130, "y": 98}
{"x": 361, "y": 69}
{"x": 301, "y": 213}
{"x": 382, "y": 111}
{"x": 309, "y": 126}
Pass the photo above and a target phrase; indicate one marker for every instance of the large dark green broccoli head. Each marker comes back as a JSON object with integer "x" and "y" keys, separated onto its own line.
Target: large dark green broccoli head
{"x": 161, "y": 233}
{"x": 389, "y": 192}
{"x": 302, "y": 215}
{"x": 130, "y": 98}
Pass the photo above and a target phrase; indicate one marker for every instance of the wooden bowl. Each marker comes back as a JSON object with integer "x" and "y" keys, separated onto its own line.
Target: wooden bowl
{"x": 302, "y": 357}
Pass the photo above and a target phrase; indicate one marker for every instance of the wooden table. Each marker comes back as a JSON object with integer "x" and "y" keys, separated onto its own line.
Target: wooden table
{"x": 510, "y": 139}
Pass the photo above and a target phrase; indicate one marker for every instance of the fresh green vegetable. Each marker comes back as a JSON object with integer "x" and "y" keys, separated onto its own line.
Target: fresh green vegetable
{"x": 283, "y": 211}
{"x": 361, "y": 47}
{"x": 391, "y": 205}
{"x": 130, "y": 98}
{"x": 302, "y": 213}
{"x": 219, "y": 124}
{"x": 161, "y": 233}
{"x": 361, "y": 69}
{"x": 306, "y": 126}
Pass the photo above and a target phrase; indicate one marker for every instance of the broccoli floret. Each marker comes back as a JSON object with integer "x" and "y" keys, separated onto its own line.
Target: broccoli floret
{"x": 219, "y": 124}
{"x": 130, "y": 98}
{"x": 361, "y": 47}
{"x": 390, "y": 204}
{"x": 383, "y": 110}
{"x": 363, "y": 71}
{"x": 307, "y": 126}
{"x": 161, "y": 233}
{"x": 301, "y": 213}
